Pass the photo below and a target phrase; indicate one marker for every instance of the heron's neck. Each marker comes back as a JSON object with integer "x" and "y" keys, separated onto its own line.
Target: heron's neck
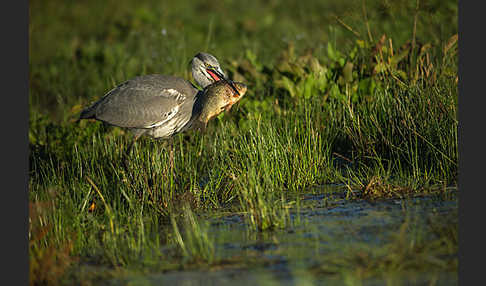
{"x": 200, "y": 78}
{"x": 199, "y": 113}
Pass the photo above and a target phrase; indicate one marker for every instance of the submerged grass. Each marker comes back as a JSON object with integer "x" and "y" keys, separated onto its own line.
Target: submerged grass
{"x": 421, "y": 252}
{"x": 195, "y": 244}
{"x": 331, "y": 105}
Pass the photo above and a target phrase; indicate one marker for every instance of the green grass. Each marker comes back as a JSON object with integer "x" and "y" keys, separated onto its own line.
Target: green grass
{"x": 329, "y": 101}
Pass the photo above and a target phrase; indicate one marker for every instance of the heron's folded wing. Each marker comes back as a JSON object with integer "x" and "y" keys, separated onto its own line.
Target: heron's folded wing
{"x": 140, "y": 106}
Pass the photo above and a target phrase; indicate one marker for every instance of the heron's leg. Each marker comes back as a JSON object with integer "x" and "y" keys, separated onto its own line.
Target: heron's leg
{"x": 171, "y": 155}
{"x": 137, "y": 133}
{"x": 129, "y": 149}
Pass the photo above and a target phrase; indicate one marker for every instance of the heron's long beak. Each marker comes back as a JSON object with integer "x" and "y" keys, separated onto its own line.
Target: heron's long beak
{"x": 216, "y": 75}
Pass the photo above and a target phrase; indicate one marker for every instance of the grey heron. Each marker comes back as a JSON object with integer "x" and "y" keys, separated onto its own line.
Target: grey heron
{"x": 161, "y": 106}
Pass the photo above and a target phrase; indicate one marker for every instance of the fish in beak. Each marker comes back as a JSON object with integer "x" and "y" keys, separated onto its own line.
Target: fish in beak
{"x": 217, "y": 75}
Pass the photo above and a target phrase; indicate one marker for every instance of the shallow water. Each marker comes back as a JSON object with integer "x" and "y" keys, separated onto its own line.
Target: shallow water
{"x": 326, "y": 227}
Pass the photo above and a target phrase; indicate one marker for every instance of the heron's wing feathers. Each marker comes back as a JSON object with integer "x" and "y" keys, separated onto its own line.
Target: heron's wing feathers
{"x": 141, "y": 105}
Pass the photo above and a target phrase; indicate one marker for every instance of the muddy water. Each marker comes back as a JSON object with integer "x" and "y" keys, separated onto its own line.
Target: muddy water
{"x": 327, "y": 228}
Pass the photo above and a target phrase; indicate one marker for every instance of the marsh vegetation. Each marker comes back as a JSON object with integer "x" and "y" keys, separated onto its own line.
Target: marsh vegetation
{"x": 340, "y": 163}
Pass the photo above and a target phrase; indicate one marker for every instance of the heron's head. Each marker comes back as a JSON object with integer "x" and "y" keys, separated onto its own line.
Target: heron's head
{"x": 206, "y": 69}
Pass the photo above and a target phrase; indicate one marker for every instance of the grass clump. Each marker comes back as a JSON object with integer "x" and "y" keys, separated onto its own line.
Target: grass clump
{"x": 194, "y": 241}
{"x": 49, "y": 258}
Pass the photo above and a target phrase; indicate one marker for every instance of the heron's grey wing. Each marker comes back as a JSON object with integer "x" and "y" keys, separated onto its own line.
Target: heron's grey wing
{"x": 142, "y": 104}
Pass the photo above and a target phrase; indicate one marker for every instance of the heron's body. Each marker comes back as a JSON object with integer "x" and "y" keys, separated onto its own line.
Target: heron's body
{"x": 161, "y": 105}
{"x": 157, "y": 105}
